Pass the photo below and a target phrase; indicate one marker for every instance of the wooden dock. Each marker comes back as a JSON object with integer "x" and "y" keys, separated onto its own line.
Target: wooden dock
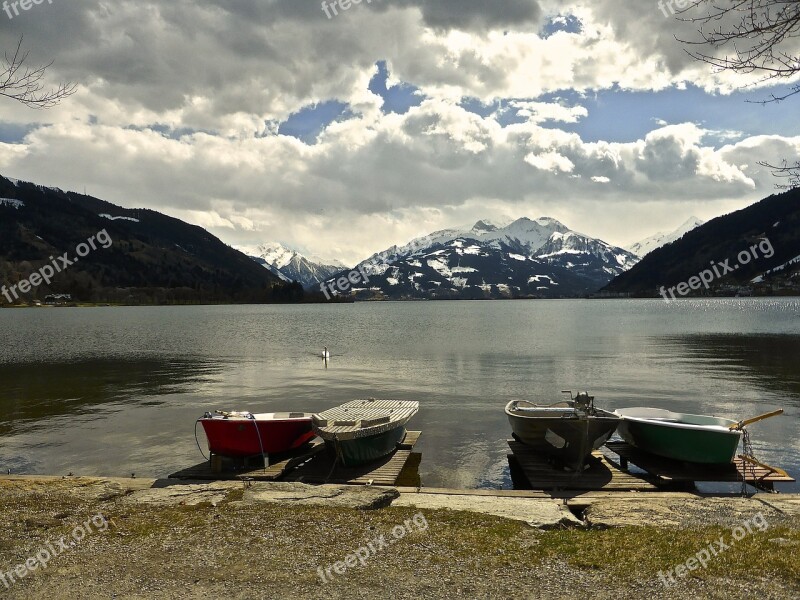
{"x": 601, "y": 473}
{"x": 667, "y": 471}
{"x": 219, "y": 469}
{"x": 312, "y": 463}
{"x": 385, "y": 472}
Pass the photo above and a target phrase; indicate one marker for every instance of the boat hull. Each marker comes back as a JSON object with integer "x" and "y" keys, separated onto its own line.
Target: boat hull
{"x": 363, "y": 431}
{"x": 239, "y": 438}
{"x": 359, "y": 451}
{"x": 569, "y": 440}
{"x": 681, "y": 441}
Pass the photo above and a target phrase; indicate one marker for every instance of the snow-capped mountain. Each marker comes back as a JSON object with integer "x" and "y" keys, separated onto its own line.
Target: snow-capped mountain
{"x": 290, "y": 265}
{"x": 526, "y": 258}
{"x": 647, "y": 245}
{"x": 522, "y": 232}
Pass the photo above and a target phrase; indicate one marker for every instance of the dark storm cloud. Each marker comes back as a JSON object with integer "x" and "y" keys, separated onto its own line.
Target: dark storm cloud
{"x": 472, "y": 14}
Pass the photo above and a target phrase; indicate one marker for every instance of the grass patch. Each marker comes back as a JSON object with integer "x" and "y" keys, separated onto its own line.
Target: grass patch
{"x": 635, "y": 553}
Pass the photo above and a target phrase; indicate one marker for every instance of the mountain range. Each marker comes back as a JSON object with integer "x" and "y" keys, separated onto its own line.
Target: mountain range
{"x": 523, "y": 258}
{"x": 158, "y": 259}
{"x": 539, "y": 258}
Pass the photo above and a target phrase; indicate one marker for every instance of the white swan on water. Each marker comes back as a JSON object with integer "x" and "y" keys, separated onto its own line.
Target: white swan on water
{"x": 325, "y": 353}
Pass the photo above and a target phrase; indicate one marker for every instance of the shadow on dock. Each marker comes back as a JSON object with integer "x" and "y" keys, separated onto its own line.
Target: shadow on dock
{"x": 530, "y": 470}
{"x": 314, "y": 463}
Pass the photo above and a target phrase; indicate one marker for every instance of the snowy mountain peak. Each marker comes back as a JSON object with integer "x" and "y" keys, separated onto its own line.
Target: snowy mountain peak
{"x": 482, "y": 227}
{"x": 647, "y": 245}
{"x": 277, "y": 255}
{"x": 690, "y": 223}
{"x": 550, "y": 222}
{"x": 290, "y": 265}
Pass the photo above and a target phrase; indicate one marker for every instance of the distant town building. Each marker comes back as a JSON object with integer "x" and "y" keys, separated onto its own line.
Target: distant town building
{"x": 54, "y": 299}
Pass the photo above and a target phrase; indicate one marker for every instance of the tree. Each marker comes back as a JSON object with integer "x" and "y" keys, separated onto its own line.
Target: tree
{"x": 25, "y": 84}
{"x": 760, "y": 37}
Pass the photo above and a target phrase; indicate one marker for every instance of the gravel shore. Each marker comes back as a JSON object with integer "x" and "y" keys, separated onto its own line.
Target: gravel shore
{"x": 145, "y": 539}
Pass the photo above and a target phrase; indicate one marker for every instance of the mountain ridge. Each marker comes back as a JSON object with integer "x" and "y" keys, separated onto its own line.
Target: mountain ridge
{"x": 153, "y": 258}
{"x": 775, "y": 219}
{"x": 644, "y": 247}
{"x": 525, "y": 258}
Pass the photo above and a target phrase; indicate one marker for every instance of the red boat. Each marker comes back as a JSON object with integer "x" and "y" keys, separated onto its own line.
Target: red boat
{"x": 245, "y": 434}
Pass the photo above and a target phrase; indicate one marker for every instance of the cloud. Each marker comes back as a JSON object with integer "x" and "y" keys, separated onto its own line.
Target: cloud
{"x": 471, "y": 15}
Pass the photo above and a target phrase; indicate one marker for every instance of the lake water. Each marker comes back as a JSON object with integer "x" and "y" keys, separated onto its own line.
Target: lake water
{"x": 113, "y": 391}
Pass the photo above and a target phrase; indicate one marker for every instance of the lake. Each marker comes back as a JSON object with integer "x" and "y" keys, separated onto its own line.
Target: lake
{"x": 115, "y": 391}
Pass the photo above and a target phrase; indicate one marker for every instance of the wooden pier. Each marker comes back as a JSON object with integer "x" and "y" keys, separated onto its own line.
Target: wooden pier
{"x": 311, "y": 463}
{"x": 385, "y": 471}
{"x": 667, "y": 471}
{"x": 660, "y": 474}
{"x": 600, "y": 474}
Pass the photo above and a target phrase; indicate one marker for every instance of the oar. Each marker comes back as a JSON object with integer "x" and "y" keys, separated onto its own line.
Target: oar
{"x": 742, "y": 424}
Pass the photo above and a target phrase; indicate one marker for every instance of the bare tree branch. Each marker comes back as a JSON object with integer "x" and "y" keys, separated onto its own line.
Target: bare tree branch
{"x": 759, "y": 37}
{"x": 786, "y": 171}
{"x": 26, "y": 84}
{"x": 756, "y": 36}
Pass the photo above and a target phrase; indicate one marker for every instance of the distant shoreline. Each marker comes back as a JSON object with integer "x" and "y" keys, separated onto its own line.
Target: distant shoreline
{"x": 353, "y": 301}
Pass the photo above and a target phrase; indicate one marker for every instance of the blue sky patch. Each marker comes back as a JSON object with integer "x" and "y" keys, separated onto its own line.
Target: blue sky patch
{"x": 618, "y": 115}
{"x": 14, "y": 133}
{"x": 566, "y": 23}
{"x": 397, "y": 99}
{"x": 309, "y": 122}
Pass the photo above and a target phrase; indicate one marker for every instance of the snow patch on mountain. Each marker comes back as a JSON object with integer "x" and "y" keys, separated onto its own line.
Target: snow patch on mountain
{"x": 12, "y": 202}
{"x": 110, "y": 218}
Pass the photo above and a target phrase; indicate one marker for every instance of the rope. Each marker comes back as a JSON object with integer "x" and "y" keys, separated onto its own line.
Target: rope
{"x": 260, "y": 445}
{"x": 335, "y": 461}
{"x": 197, "y": 441}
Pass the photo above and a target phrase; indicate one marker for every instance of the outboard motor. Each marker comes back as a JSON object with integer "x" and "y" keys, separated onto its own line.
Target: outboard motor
{"x": 584, "y": 402}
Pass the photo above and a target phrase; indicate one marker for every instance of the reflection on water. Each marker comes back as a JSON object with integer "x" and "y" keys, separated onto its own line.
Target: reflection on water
{"x": 121, "y": 388}
{"x": 34, "y": 393}
{"x": 772, "y": 361}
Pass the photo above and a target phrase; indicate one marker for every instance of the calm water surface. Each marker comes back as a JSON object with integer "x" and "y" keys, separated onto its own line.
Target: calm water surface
{"x": 111, "y": 391}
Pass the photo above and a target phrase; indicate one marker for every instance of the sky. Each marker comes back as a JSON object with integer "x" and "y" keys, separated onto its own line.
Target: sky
{"x": 341, "y": 132}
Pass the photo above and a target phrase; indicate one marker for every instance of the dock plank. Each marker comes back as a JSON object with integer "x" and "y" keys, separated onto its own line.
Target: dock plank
{"x": 601, "y": 474}
{"x": 384, "y": 472}
{"x": 282, "y": 464}
{"x": 678, "y": 471}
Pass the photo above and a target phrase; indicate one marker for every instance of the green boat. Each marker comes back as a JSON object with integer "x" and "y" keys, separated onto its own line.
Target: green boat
{"x": 680, "y": 436}
{"x": 363, "y": 431}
